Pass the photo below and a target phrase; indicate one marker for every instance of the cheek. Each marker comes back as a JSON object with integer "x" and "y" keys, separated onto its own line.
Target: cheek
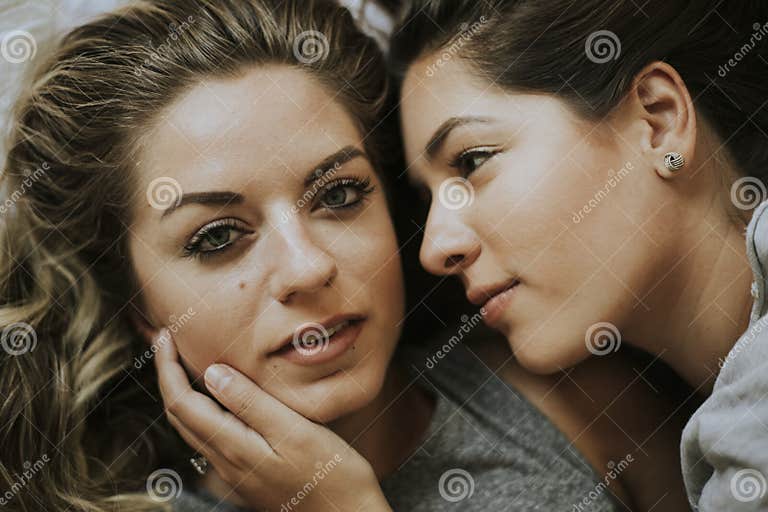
{"x": 206, "y": 314}
{"x": 371, "y": 257}
{"x": 570, "y": 235}
{"x": 559, "y": 204}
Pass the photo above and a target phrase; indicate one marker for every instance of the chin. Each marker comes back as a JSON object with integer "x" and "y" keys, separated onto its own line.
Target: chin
{"x": 548, "y": 351}
{"x": 340, "y": 395}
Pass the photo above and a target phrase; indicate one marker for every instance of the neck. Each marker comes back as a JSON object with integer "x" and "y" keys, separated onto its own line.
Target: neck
{"x": 697, "y": 312}
{"x": 376, "y": 431}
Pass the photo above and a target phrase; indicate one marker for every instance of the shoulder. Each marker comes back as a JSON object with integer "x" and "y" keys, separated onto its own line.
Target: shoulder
{"x": 727, "y": 437}
{"x": 612, "y": 410}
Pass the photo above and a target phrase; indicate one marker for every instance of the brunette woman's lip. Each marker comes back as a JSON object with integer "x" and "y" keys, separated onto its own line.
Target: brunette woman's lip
{"x": 323, "y": 349}
{"x": 495, "y": 307}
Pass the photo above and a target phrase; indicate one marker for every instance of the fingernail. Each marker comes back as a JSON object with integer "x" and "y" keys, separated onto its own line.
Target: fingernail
{"x": 217, "y": 376}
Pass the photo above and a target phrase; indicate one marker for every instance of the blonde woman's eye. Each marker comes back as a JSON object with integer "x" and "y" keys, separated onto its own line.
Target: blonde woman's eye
{"x": 214, "y": 238}
{"x": 344, "y": 193}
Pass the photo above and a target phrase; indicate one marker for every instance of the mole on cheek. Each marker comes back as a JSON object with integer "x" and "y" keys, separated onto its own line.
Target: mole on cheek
{"x": 242, "y": 285}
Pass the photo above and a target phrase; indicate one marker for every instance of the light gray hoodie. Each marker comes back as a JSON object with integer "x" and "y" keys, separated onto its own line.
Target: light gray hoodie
{"x": 725, "y": 443}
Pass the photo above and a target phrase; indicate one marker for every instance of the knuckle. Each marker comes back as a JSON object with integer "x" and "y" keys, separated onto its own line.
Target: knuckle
{"x": 244, "y": 402}
{"x": 232, "y": 455}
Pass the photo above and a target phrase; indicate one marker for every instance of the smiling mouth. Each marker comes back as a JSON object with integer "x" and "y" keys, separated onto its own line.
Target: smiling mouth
{"x": 503, "y": 290}
{"x": 481, "y": 297}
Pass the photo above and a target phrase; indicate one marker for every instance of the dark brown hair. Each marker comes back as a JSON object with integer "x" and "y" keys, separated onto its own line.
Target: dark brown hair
{"x": 589, "y": 51}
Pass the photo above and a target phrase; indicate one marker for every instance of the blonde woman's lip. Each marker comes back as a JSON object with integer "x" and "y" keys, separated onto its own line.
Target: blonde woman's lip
{"x": 326, "y": 349}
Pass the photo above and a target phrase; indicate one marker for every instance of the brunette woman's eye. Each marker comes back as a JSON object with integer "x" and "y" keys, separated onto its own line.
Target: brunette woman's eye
{"x": 343, "y": 193}
{"x": 215, "y": 238}
{"x": 470, "y": 160}
{"x": 338, "y": 196}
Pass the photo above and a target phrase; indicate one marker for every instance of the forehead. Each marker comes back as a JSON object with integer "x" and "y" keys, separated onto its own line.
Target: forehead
{"x": 432, "y": 94}
{"x": 270, "y": 117}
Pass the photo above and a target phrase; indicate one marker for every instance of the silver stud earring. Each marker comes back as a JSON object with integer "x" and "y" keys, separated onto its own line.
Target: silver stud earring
{"x": 674, "y": 161}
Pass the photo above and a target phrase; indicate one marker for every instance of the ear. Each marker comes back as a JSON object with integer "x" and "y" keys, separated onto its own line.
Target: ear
{"x": 665, "y": 107}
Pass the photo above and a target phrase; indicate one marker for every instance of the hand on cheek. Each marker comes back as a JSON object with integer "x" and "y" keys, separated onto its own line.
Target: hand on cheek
{"x": 264, "y": 450}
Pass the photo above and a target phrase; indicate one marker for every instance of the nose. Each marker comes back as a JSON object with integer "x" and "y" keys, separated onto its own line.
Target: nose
{"x": 301, "y": 266}
{"x": 449, "y": 245}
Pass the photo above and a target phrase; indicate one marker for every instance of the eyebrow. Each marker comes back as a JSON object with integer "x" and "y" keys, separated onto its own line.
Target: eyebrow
{"x": 224, "y": 198}
{"x": 207, "y": 198}
{"x": 330, "y": 162}
{"x": 438, "y": 139}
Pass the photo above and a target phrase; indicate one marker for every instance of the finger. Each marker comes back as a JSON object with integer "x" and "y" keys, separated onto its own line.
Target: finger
{"x": 200, "y": 415}
{"x": 215, "y": 459}
{"x": 255, "y": 407}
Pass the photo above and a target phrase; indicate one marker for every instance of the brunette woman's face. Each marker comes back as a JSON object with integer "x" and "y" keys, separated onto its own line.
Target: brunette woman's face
{"x": 263, "y": 225}
{"x": 555, "y": 228}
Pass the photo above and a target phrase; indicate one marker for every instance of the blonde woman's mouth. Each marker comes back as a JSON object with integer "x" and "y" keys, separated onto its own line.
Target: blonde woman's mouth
{"x": 315, "y": 343}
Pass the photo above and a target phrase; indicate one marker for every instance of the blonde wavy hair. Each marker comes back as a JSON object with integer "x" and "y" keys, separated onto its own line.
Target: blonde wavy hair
{"x": 71, "y": 394}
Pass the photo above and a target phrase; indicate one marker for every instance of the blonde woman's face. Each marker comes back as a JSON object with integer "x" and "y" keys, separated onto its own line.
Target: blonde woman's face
{"x": 264, "y": 240}
{"x": 543, "y": 229}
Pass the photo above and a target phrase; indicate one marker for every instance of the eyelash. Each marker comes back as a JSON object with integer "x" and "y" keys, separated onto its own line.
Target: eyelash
{"x": 192, "y": 248}
{"x": 361, "y": 185}
{"x": 457, "y": 161}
